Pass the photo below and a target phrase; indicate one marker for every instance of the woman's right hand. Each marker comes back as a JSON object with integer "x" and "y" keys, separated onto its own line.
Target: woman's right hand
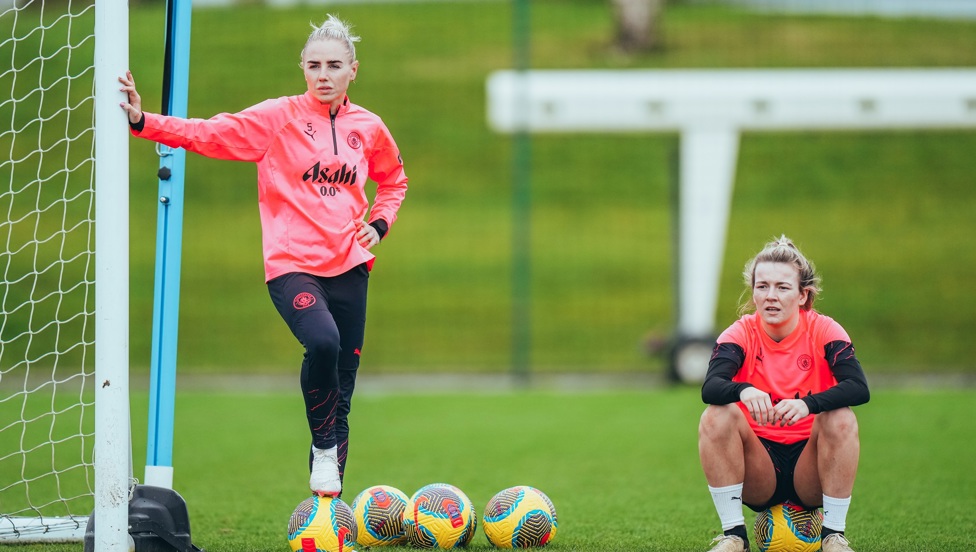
{"x": 134, "y": 106}
{"x": 759, "y": 404}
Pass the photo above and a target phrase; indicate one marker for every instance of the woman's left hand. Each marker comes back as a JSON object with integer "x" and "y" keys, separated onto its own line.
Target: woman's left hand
{"x": 366, "y": 235}
{"x": 790, "y": 411}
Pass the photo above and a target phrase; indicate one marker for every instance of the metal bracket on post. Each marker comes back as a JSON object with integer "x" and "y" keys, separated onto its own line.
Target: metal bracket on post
{"x": 158, "y": 522}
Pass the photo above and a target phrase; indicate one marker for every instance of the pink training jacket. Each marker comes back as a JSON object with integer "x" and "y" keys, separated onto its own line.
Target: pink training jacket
{"x": 312, "y": 169}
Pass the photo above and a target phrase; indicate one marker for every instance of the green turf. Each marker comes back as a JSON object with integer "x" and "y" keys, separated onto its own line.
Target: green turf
{"x": 621, "y": 467}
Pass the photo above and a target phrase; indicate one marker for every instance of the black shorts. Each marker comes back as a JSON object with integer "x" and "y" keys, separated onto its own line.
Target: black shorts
{"x": 784, "y": 459}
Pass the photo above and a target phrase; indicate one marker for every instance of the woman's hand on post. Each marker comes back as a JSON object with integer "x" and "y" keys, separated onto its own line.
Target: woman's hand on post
{"x": 133, "y": 107}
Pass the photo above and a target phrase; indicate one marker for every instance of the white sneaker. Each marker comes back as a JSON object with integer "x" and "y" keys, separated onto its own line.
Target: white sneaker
{"x": 325, "y": 472}
{"x": 836, "y": 542}
{"x": 729, "y": 543}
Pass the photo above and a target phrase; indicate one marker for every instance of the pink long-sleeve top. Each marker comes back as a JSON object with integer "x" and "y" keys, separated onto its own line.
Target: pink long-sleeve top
{"x": 312, "y": 171}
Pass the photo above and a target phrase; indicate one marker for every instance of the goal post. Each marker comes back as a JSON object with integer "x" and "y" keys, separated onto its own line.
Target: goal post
{"x": 64, "y": 433}
{"x": 169, "y": 245}
{"x": 112, "y": 436}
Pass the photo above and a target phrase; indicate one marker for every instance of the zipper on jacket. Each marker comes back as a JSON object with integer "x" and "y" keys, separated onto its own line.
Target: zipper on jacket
{"x": 335, "y": 143}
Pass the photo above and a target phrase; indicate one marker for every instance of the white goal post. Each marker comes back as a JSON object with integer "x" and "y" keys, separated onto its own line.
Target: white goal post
{"x": 64, "y": 419}
{"x": 709, "y": 109}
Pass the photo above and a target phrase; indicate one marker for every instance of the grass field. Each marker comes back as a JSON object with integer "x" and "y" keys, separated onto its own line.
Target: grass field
{"x": 621, "y": 467}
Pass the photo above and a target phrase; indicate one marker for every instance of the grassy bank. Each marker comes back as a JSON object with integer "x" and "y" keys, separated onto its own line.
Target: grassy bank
{"x": 886, "y": 216}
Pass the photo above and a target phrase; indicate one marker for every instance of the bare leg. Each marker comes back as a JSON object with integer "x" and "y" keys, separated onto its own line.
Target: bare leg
{"x": 828, "y": 463}
{"x": 731, "y": 453}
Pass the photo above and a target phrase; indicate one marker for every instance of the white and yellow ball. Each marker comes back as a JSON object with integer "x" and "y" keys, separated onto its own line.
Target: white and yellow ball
{"x": 788, "y": 528}
{"x": 520, "y": 517}
{"x": 440, "y": 516}
{"x": 322, "y": 524}
{"x": 379, "y": 516}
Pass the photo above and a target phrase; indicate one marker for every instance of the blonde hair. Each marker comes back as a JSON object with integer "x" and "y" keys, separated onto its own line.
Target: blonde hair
{"x": 333, "y": 28}
{"x": 781, "y": 250}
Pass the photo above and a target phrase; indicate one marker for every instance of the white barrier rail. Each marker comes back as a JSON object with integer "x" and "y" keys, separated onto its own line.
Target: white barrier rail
{"x": 710, "y": 108}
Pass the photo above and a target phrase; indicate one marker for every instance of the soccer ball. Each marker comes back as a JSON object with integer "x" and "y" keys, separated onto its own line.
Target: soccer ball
{"x": 520, "y": 517}
{"x": 439, "y": 516}
{"x": 322, "y": 524}
{"x": 379, "y": 515}
{"x": 787, "y": 527}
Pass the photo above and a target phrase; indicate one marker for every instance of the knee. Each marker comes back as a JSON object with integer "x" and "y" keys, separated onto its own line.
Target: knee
{"x": 324, "y": 344}
{"x": 718, "y": 420}
{"x": 837, "y": 424}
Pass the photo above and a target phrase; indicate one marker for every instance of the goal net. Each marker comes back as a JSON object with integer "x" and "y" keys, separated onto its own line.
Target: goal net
{"x": 47, "y": 259}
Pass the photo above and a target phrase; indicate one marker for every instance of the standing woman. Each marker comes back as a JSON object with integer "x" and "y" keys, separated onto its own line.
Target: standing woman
{"x": 313, "y": 152}
{"x": 779, "y": 387}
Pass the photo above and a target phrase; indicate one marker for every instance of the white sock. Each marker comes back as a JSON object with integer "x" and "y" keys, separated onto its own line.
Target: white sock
{"x": 728, "y": 504}
{"x": 835, "y": 512}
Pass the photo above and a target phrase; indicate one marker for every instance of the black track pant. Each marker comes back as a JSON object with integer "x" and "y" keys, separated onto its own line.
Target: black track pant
{"x": 328, "y": 316}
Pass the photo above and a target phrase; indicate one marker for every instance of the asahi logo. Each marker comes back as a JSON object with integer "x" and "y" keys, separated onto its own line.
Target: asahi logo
{"x": 318, "y": 175}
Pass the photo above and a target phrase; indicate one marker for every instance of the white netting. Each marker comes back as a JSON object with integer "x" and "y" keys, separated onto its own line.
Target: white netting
{"x": 46, "y": 266}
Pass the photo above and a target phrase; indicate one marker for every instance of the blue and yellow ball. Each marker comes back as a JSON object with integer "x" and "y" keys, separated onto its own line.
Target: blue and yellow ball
{"x": 787, "y": 527}
{"x": 440, "y": 516}
{"x": 520, "y": 517}
{"x": 322, "y": 524}
{"x": 379, "y": 516}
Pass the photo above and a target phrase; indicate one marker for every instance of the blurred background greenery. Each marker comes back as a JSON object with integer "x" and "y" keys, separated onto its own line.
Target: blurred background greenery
{"x": 887, "y": 216}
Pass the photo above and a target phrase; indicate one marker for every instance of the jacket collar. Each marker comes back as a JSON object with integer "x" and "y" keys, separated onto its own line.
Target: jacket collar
{"x": 324, "y": 108}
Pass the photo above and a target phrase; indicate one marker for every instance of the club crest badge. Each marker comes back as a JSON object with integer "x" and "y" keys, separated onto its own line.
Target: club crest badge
{"x": 354, "y": 140}
{"x": 303, "y": 300}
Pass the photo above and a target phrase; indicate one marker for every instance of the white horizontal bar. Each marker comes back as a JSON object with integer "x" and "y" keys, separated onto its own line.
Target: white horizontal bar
{"x": 629, "y": 100}
{"x": 25, "y": 530}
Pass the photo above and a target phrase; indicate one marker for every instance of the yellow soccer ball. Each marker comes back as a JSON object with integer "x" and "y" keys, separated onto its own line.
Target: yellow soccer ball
{"x": 787, "y": 527}
{"x": 439, "y": 516}
{"x": 322, "y": 524}
{"x": 520, "y": 517}
{"x": 379, "y": 516}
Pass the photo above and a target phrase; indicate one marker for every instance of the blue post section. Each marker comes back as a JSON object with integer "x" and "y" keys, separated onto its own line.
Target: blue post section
{"x": 169, "y": 243}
